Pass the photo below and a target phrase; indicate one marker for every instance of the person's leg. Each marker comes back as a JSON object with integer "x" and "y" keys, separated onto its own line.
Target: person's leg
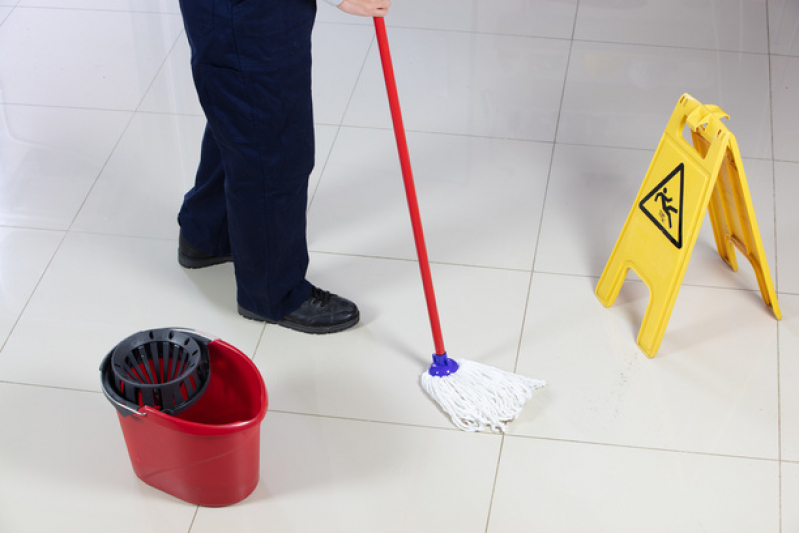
{"x": 203, "y": 217}
{"x": 251, "y": 63}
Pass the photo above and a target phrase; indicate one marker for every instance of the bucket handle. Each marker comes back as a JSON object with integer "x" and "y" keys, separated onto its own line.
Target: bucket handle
{"x": 123, "y": 409}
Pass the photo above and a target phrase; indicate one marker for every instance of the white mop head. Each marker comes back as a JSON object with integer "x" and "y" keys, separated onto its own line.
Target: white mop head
{"x": 479, "y": 397}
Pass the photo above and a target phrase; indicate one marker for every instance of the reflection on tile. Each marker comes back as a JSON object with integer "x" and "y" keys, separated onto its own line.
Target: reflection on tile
{"x": 787, "y": 190}
{"x": 361, "y": 477}
{"x": 480, "y": 199}
{"x": 49, "y": 159}
{"x": 590, "y": 194}
{"x": 784, "y": 27}
{"x": 623, "y": 95}
{"x": 789, "y": 373}
{"x": 372, "y": 371}
{"x": 710, "y": 26}
{"x": 71, "y": 471}
{"x": 471, "y": 84}
{"x": 83, "y": 58}
{"x": 785, "y": 92}
{"x": 141, "y": 188}
{"x": 24, "y": 255}
{"x": 100, "y": 289}
{"x": 561, "y": 486}
{"x": 711, "y": 388}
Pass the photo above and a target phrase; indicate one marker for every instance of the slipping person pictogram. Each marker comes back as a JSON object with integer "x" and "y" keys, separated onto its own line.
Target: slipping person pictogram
{"x": 665, "y": 201}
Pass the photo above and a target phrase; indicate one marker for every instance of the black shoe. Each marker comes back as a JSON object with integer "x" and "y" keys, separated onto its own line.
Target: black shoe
{"x": 321, "y": 312}
{"x": 191, "y": 257}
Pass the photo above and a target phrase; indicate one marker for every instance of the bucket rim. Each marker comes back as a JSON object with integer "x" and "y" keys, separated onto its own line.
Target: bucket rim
{"x": 201, "y": 429}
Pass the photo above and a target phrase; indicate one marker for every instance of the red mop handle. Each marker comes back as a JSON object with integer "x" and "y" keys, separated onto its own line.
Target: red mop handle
{"x": 407, "y": 178}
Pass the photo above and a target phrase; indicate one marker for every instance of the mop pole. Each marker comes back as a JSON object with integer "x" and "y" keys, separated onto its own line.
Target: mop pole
{"x": 475, "y": 396}
{"x": 410, "y": 188}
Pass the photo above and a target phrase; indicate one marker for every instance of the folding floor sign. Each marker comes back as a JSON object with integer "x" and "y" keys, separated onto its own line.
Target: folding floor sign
{"x": 682, "y": 183}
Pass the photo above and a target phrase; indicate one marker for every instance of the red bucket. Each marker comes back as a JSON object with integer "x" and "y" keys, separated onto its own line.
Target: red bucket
{"x": 208, "y": 454}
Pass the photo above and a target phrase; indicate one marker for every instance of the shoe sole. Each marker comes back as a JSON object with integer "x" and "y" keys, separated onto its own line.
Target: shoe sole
{"x": 188, "y": 262}
{"x": 314, "y": 330}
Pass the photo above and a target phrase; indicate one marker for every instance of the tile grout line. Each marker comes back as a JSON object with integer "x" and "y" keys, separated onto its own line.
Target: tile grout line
{"x": 504, "y": 437}
{"x": 535, "y": 252}
{"x": 194, "y": 518}
{"x": 775, "y": 268}
{"x": 546, "y": 187}
{"x": 33, "y": 292}
{"x": 133, "y": 114}
{"x": 65, "y": 233}
{"x": 494, "y": 484}
{"x": 340, "y": 122}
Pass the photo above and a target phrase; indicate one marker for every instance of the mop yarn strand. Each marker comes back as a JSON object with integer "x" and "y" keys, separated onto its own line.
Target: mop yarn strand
{"x": 478, "y": 397}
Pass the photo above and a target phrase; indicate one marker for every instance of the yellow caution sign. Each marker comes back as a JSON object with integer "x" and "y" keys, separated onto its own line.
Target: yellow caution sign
{"x": 682, "y": 183}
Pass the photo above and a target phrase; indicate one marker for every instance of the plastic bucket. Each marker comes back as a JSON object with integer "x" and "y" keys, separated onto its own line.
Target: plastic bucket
{"x": 208, "y": 454}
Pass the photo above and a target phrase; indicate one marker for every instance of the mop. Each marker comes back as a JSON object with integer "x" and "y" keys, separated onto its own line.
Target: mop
{"x": 474, "y": 395}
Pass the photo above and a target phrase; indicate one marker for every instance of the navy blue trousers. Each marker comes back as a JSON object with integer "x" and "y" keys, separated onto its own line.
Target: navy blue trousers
{"x": 251, "y": 62}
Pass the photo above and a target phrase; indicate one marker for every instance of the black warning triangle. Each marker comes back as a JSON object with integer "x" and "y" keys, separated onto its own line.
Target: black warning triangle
{"x": 663, "y": 205}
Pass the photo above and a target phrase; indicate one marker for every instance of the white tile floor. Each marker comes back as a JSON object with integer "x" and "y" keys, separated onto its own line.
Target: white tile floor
{"x": 531, "y": 125}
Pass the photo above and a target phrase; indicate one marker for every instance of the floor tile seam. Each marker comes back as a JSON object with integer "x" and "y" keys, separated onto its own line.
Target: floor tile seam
{"x": 51, "y": 387}
{"x": 775, "y": 267}
{"x": 94, "y": 9}
{"x": 672, "y": 47}
{"x": 355, "y": 24}
{"x": 169, "y": 113}
{"x": 379, "y": 422}
{"x": 774, "y": 460}
{"x": 775, "y": 230}
{"x": 497, "y": 467}
{"x": 312, "y": 194}
{"x": 311, "y": 249}
{"x": 789, "y": 56}
{"x": 344, "y": 125}
{"x": 653, "y": 150}
{"x": 415, "y": 260}
{"x": 634, "y": 280}
{"x": 66, "y": 107}
{"x": 31, "y": 228}
{"x": 126, "y": 236}
{"x": 366, "y": 54}
{"x": 537, "y": 244}
{"x": 161, "y": 67}
{"x": 479, "y": 33}
{"x": 567, "y": 66}
{"x": 101, "y": 170}
{"x": 33, "y": 292}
